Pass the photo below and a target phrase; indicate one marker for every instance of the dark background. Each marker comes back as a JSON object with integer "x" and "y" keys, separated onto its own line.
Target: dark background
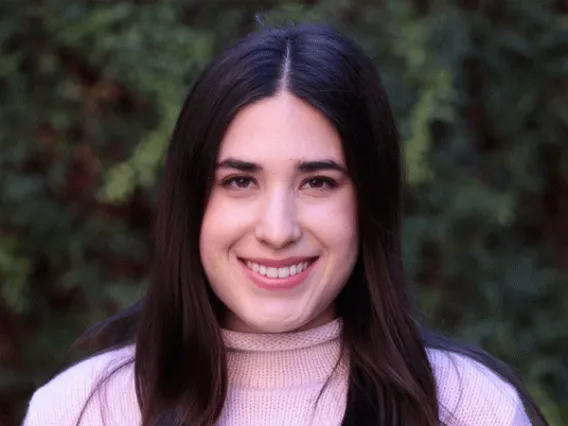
{"x": 89, "y": 92}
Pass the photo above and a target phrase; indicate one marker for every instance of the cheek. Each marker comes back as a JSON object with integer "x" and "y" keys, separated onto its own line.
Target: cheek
{"x": 335, "y": 225}
{"x": 213, "y": 233}
{"x": 222, "y": 222}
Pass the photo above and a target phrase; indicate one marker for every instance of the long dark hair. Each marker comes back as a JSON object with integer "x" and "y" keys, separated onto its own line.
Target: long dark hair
{"x": 180, "y": 365}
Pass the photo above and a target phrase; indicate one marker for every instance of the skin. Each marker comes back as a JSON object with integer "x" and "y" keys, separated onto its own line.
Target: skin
{"x": 276, "y": 210}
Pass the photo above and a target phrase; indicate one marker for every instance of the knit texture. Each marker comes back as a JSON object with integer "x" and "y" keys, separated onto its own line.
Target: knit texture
{"x": 277, "y": 380}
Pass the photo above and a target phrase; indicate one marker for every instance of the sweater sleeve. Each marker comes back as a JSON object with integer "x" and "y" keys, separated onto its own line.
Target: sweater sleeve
{"x": 471, "y": 394}
{"x": 520, "y": 418}
{"x": 80, "y": 395}
{"x": 52, "y": 405}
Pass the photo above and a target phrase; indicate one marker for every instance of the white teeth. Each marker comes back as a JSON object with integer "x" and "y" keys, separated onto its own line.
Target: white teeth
{"x": 272, "y": 272}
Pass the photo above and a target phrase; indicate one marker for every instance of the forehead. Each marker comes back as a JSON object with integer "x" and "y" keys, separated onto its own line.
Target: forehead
{"x": 281, "y": 127}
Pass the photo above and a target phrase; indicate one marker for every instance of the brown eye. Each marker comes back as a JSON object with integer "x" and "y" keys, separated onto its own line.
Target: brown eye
{"x": 322, "y": 183}
{"x": 238, "y": 182}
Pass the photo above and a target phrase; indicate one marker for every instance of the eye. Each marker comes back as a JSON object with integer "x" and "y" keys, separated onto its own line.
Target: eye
{"x": 238, "y": 182}
{"x": 319, "y": 182}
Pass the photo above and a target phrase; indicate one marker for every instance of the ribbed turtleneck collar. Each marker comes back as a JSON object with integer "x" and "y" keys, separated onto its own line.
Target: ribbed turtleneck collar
{"x": 276, "y": 361}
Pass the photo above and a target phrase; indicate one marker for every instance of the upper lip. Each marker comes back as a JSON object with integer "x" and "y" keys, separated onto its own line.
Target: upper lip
{"x": 279, "y": 263}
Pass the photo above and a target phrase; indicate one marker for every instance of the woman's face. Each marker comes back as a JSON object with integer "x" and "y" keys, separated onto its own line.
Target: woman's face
{"x": 279, "y": 238}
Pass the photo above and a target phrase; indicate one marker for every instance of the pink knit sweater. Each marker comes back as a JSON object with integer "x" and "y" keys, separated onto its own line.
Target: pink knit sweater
{"x": 275, "y": 380}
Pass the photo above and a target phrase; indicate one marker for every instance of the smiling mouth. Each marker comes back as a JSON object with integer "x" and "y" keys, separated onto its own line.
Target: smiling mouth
{"x": 279, "y": 272}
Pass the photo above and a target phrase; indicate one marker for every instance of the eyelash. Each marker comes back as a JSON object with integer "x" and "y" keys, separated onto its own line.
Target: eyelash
{"x": 230, "y": 181}
{"x": 331, "y": 183}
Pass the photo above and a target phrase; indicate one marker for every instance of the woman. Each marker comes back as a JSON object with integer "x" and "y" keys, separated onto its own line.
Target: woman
{"x": 278, "y": 295}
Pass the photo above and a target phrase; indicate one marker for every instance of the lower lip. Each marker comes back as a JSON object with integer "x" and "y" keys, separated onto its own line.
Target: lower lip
{"x": 278, "y": 284}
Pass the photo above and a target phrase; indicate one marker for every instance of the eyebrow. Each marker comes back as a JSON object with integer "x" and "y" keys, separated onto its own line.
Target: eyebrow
{"x": 318, "y": 165}
{"x": 233, "y": 163}
{"x": 302, "y": 167}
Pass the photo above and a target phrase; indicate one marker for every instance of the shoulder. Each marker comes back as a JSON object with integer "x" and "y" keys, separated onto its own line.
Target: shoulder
{"x": 470, "y": 393}
{"x": 74, "y": 395}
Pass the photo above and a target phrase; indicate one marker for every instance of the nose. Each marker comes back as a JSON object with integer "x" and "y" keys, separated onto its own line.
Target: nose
{"x": 277, "y": 226}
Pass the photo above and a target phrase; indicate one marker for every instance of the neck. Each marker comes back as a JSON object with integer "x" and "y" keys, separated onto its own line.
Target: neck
{"x": 234, "y": 323}
{"x": 284, "y": 360}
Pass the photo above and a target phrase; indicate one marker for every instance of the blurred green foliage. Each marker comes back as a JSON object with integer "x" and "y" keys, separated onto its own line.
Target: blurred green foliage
{"x": 89, "y": 92}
